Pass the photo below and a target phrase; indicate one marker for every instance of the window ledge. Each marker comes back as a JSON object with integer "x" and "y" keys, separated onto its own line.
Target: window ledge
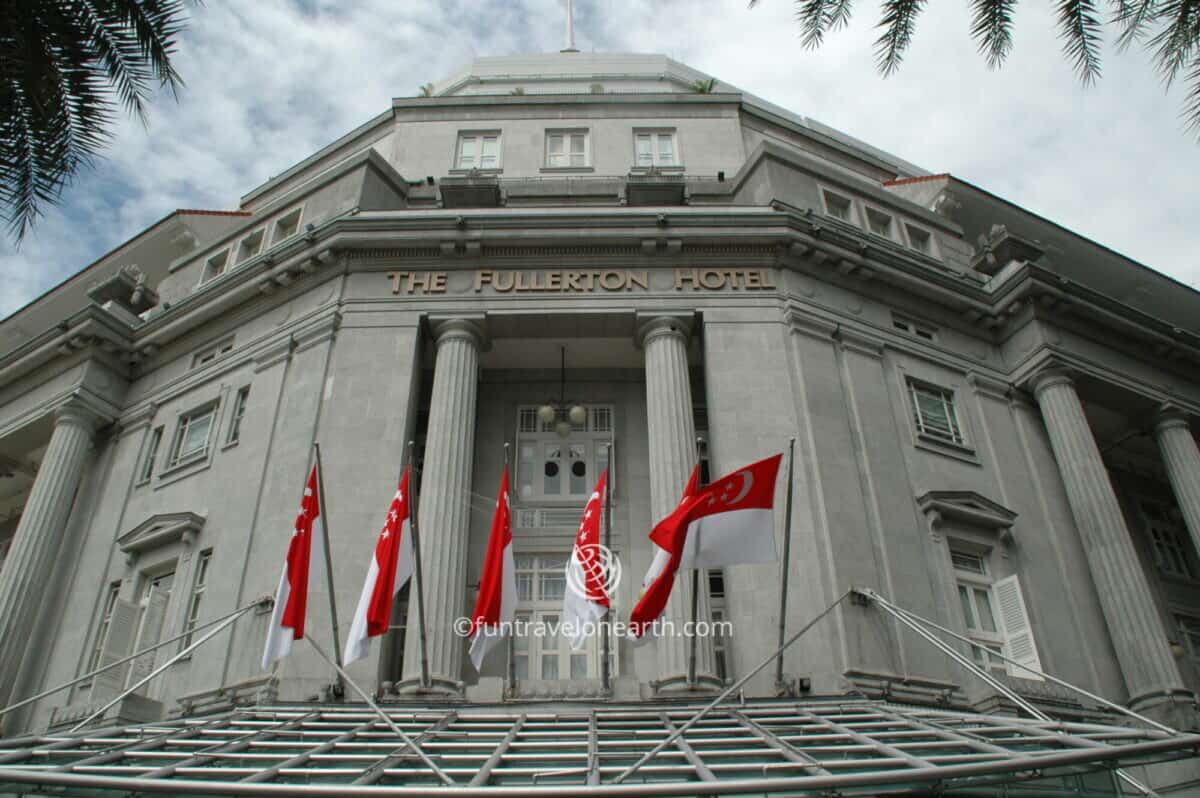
{"x": 567, "y": 169}
{"x": 230, "y": 444}
{"x": 182, "y": 470}
{"x": 460, "y": 171}
{"x": 647, "y": 170}
{"x": 931, "y": 443}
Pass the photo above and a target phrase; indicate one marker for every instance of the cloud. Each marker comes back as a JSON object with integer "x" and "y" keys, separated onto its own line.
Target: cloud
{"x": 270, "y": 82}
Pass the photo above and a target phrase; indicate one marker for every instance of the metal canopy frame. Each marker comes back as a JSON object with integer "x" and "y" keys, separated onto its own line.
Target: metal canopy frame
{"x": 767, "y": 746}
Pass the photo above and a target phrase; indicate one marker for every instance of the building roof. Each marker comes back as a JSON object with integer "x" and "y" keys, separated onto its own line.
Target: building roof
{"x": 766, "y": 746}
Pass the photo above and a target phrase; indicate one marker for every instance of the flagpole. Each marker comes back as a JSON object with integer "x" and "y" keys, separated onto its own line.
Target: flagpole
{"x": 512, "y": 663}
{"x": 339, "y": 689}
{"x": 605, "y": 674}
{"x": 382, "y": 715}
{"x": 693, "y": 641}
{"x": 416, "y": 541}
{"x": 787, "y": 556}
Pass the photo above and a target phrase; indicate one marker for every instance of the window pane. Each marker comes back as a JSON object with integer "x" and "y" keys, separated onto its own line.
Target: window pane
{"x": 521, "y": 666}
{"x": 666, "y": 149}
{"x": 578, "y": 468}
{"x": 550, "y": 667}
{"x": 968, "y": 613}
{"x": 983, "y": 603}
{"x": 579, "y": 666}
{"x": 525, "y": 587}
{"x": 645, "y": 156}
{"x": 551, "y": 585}
{"x": 195, "y": 434}
{"x": 466, "y": 152}
{"x": 551, "y": 471}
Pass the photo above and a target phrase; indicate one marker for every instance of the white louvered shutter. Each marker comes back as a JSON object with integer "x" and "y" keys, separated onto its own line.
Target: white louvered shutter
{"x": 152, "y": 623}
{"x": 1018, "y": 633}
{"x": 117, "y": 641}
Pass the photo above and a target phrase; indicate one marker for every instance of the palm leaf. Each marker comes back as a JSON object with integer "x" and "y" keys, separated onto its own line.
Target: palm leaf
{"x": 899, "y": 19}
{"x": 991, "y": 28}
{"x": 1079, "y": 26}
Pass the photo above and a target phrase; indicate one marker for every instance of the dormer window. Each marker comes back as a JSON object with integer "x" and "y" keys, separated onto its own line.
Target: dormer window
{"x": 478, "y": 151}
{"x": 251, "y": 245}
{"x": 287, "y": 225}
{"x": 920, "y": 240}
{"x": 655, "y": 149}
{"x": 880, "y": 223}
{"x": 838, "y": 206}
{"x": 215, "y": 266}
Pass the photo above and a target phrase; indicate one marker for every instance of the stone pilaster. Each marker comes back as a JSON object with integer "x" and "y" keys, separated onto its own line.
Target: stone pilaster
{"x": 672, "y": 446}
{"x": 1182, "y": 459}
{"x": 30, "y": 563}
{"x": 444, "y": 505}
{"x": 1133, "y": 621}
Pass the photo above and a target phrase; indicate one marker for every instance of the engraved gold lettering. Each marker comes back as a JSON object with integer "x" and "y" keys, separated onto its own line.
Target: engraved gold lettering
{"x": 503, "y": 281}
{"x": 638, "y": 279}
{"x": 712, "y": 279}
{"x": 685, "y": 276}
{"x": 481, "y": 277}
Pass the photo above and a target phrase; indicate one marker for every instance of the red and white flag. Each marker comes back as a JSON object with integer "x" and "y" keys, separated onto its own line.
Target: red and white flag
{"x": 496, "y": 604}
{"x": 733, "y": 522}
{"x": 669, "y": 537}
{"x": 390, "y": 568}
{"x": 291, "y": 600}
{"x": 586, "y": 598}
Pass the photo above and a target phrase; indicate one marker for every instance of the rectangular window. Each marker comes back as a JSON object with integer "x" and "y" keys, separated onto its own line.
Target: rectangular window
{"x": 213, "y": 352}
{"x": 153, "y": 602}
{"x": 838, "y": 206}
{"x": 558, "y": 458}
{"x": 716, "y": 600}
{"x": 920, "y": 240}
{"x": 251, "y": 245}
{"x": 541, "y": 651}
{"x": 566, "y": 149}
{"x": 914, "y": 328}
{"x": 880, "y": 223}
{"x": 934, "y": 413}
{"x": 974, "y": 588}
{"x": 478, "y": 151}
{"x": 655, "y": 148}
{"x": 192, "y": 435}
{"x": 215, "y": 266}
{"x": 110, "y": 600}
{"x": 287, "y": 225}
{"x": 198, "y": 587}
{"x": 147, "y": 469}
{"x": 1168, "y": 540}
{"x": 235, "y": 419}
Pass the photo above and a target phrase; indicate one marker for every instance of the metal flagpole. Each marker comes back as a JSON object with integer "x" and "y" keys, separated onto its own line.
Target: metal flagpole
{"x": 339, "y": 689}
{"x": 382, "y": 715}
{"x": 85, "y": 677}
{"x": 692, "y": 639}
{"x": 416, "y": 541}
{"x": 512, "y": 662}
{"x": 605, "y": 671}
{"x": 787, "y": 558}
{"x": 679, "y": 732}
{"x": 183, "y": 653}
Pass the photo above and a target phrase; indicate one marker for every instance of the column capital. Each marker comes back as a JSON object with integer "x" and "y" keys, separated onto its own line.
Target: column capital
{"x": 471, "y": 327}
{"x": 1171, "y": 416}
{"x": 1050, "y": 377}
{"x": 653, "y": 325}
{"x": 78, "y": 412}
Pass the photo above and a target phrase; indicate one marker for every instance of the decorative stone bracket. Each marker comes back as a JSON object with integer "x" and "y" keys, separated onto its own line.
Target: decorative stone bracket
{"x": 969, "y": 508}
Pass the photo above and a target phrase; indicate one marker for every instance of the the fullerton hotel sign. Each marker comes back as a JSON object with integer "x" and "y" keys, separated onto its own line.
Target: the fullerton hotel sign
{"x": 583, "y": 281}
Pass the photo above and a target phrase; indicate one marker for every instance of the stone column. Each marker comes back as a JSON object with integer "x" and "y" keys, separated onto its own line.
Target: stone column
{"x": 1133, "y": 620}
{"x": 1182, "y": 458}
{"x": 30, "y": 563}
{"x": 444, "y": 505}
{"x": 672, "y": 446}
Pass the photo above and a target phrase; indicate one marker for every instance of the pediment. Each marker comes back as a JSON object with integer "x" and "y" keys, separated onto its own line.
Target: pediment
{"x": 966, "y": 507}
{"x": 161, "y": 529}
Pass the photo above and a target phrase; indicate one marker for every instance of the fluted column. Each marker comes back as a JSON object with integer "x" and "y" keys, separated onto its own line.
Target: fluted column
{"x": 1182, "y": 458}
{"x": 672, "y": 444}
{"x": 1134, "y": 624}
{"x": 444, "y": 505}
{"x": 25, "y": 578}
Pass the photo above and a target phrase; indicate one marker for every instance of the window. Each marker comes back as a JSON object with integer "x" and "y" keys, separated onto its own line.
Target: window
{"x": 110, "y": 600}
{"x": 478, "y": 151}
{"x": 1189, "y": 633}
{"x": 655, "y": 148}
{"x": 566, "y": 149}
{"x": 920, "y": 240}
{"x": 212, "y": 353}
{"x": 716, "y": 599}
{"x": 934, "y": 414}
{"x": 838, "y": 206}
{"x": 251, "y": 245}
{"x": 147, "y": 469}
{"x": 994, "y": 614}
{"x": 287, "y": 225}
{"x": 880, "y": 223}
{"x": 914, "y": 328}
{"x": 1168, "y": 540}
{"x": 555, "y": 467}
{"x": 192, "y": 435}
{"x": 215, "y": 266}
{"x": 543, "y": 651}
{"x": 235, "y": 419}
{"x": 153, "y": 600}
{"x": 198, "y": 587}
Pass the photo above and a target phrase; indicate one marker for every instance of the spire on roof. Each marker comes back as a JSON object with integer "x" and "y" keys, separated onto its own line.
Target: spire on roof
{"x": 570, "y": 48}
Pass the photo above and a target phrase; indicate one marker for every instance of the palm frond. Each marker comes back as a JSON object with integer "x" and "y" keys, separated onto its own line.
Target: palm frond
{"x": 1176, "y": 44}
{"x": 1079, "y": 26}
{"x": 898, "y": 22}
{"x": 1191, "y": 103}
{"x": 991, "y": 28}
{"x": 1133, "y": 17}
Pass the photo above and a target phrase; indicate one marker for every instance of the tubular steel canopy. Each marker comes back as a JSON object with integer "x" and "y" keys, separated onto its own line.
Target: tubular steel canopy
{"x": 819, "y": 746}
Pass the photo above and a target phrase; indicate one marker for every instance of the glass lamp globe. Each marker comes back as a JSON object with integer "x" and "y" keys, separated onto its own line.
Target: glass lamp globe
{"x": 578, "y": 415}
{"x": 563, "y": 428}
{"x": 547, "y": 413}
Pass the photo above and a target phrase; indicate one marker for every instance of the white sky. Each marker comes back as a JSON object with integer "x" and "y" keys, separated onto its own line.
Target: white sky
{"x": 270, "y": 82}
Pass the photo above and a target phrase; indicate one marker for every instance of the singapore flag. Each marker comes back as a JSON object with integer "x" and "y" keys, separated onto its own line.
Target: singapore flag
{"x": 732, "y": 520}
{"x": 291, "y": 600}
{"x": 496, "y": 603}
{"x": 390, "y": 568}
{"x": 586, "y": 598}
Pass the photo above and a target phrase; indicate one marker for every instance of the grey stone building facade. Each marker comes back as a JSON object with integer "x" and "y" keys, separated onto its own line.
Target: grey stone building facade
{"x": 994, "y": 417}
